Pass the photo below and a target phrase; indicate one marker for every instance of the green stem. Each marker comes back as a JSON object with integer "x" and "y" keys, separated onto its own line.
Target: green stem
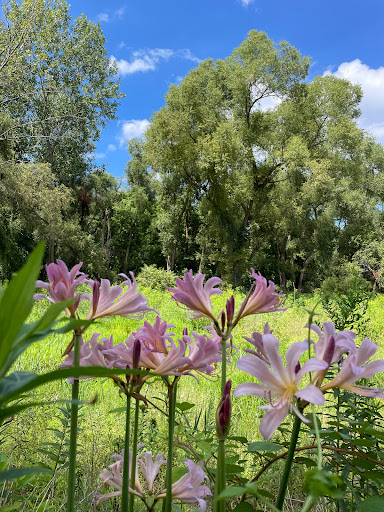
{"x": 73, "y": 431}
{"x": 318, "y": 440}
{"x": 172, "y": 390}
{"x": 223, "y": 364}
{"x": 125, "y": 491}
{"x": 134, "y": 454}
{"x": 307, "y": 505}
{"x": 288, "y": 462}
{"x": 219, "y": 506}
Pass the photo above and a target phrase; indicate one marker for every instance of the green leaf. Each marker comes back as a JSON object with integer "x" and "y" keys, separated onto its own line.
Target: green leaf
{"x": 16, "y": 303}
{"x": 178, "y": 473}
{"x": 244, "y": 507}
{"x": 232, "y": 491}
{"x": 3, "y": 461}
{"x": 319, "y": 483}
{"x": 14, "y": 474}
{"x": 118, "y": 409}
{"x": 372, "y": 504}
{"x": 18, "y": 383}
{"x": 184, "y": 406}
{"x": 264, "y": 446}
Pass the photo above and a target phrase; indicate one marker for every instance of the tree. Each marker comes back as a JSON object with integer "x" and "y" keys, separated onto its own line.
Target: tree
{"x": 58, "y": 87}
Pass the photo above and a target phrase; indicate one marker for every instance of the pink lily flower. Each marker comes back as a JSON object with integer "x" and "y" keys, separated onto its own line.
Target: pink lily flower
{"x": 114, "y": 478}
{"x": 354, "y": 369}
{"x": 154, "y": 338}
{"x": 151, "y": 468}
{"x": 257, "y": 341}
{"x": 329, "y": 351}
{"x": 192, "y": 293}
{"x": 62, "y": 284}
{"x": 165, "y": 362}
{"x": 107, "y": 301}
{"x": 262, "y": 300}
{"x": 279, "y": 382}
{"x": 202, "y": 352}
{"x": 91, "y": 354}
{"x": 189, "y": 488}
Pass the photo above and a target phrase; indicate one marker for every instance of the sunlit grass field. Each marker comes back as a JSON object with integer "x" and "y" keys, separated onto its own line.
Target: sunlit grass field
{"x": 102, "y": 431}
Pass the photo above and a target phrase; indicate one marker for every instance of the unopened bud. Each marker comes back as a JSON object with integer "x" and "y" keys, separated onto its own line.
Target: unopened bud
{"x": 136, "y": 353}
{"x": 223, "y": 414}
{"x": 230, "y": 307}
{"x": 185, "y": 331}
{"x": 222, "y": 317}
{"x": 297, "y": 367}
{"x": 95, "y": 296}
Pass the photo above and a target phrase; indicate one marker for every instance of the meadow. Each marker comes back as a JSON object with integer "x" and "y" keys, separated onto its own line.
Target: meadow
{"x": 39, "y": 435}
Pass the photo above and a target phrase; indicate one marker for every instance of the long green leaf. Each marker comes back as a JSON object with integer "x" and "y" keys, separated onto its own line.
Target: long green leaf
{"x": 16, "y": 303}
{"x": 14, "y": 474}
{"x": 18, "y": 383}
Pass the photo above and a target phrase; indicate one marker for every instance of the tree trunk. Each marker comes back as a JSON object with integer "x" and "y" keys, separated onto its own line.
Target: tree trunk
{"x": 301, "y": 277}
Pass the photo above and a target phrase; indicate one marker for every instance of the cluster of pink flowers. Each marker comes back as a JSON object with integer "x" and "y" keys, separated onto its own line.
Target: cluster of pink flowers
{"x": 104, "y": 300}
{"x": 282, "y": 386}
{"x": 189, "y": 488}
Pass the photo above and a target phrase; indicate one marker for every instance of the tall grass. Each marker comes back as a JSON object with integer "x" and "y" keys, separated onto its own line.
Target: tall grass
{"x": 102, "y": 431}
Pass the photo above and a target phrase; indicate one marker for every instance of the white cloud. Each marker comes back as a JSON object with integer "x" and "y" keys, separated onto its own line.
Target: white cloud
{"x": 246, "y": 2}
{"x": 372, "y": 83}
{"x": 111, "y": 147}
{"x": 135, "y": 66}
{"x": 99, "y": 156}
{"x": 147, "y": 60}
{"x": 106, "y": 17}
{"x": 131, "y": 129}
{"x": 103, "y": 17}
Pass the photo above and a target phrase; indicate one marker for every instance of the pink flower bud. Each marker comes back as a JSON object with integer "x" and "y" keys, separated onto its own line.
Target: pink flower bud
{"x": 230, "y": 307}
{"x": 223, "y": 415}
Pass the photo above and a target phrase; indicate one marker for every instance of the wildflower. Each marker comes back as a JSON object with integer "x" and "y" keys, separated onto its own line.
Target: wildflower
{"x": 262, "y": 298}
{"x": 257, "y": 341}
{"x": 354, "y": 368}
{"x": 62, "y": 284}
{"x": 188, "y": 489}
{"x": 332, "y": 351}
{"x": 114, "y": 478}
{"x": 279, "y": 382}
{"x": 107, "y": 301}
{"x": 192, "y": 293}
{"x": 202, "y": 352}
{"x": 223, "y": 414}
{"x": 91, "y": 354}
{"x": 155, "y": 337}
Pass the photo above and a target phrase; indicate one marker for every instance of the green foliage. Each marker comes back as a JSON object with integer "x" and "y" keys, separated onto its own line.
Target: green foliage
{"x": 156, "y": 278}
{"x": 346, "y": 299}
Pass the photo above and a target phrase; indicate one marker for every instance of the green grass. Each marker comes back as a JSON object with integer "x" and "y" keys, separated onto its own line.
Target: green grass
{"x": 102, "y": 432}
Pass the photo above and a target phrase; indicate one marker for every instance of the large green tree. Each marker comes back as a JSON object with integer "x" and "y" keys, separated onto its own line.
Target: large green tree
{"x": 58, "y": 88}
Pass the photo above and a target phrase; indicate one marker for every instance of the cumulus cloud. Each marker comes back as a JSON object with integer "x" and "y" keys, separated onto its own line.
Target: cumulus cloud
{"x": 245, "y": 3}
{"x": 372, "y": 83}
{"x": 111, "y": 147}
{"x": 131, "y": 129}
{"x": 147, "y": 59}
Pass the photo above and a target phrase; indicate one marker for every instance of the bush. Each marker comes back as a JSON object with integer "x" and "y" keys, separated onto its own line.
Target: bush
{"x": 156, "y": 278}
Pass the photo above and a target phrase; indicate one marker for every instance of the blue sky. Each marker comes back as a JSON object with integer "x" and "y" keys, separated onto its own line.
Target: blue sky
{"x": 155, "y": 43}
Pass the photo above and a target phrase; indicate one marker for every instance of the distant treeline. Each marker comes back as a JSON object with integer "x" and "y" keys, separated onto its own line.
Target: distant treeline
{"x": 246, "y": 165}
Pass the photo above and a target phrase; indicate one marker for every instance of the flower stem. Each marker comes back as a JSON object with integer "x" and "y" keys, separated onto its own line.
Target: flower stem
{"x": 172, "y": 391}
{"x": 219, "y": 506}
{"x": 125, "y": 491}
{"x": 134, "y": 454}
{"x": 223, "y": 364}
{"x": 73, "y": 431}
{"x": 288, "y": 462}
